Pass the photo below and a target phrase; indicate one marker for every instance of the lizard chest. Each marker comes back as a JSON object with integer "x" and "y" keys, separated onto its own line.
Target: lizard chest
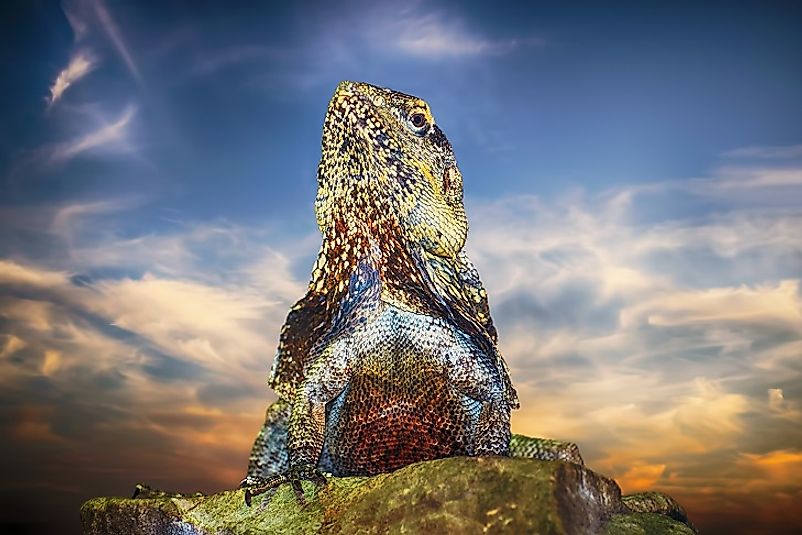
{"x": 399, "y": 405}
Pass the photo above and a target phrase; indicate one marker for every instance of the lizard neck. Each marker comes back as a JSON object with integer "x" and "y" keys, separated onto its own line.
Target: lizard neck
{"x": 377, "y": 240}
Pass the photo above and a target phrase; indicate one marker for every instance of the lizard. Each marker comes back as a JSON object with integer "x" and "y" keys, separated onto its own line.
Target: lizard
{"x": 391, "y": 357}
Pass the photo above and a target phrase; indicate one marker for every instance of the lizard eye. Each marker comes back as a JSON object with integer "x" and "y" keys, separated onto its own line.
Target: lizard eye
{"x": 418, "y": 123}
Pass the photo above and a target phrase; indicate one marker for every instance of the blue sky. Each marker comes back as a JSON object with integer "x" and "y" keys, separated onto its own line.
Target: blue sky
{"x": 633, "y": 179}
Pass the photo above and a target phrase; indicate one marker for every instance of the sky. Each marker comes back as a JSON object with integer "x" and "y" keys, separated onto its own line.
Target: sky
{"x": 633, "y": 183}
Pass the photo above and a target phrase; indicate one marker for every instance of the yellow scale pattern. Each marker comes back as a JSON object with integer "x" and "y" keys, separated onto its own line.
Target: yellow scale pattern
{"x": 390, "y": 357}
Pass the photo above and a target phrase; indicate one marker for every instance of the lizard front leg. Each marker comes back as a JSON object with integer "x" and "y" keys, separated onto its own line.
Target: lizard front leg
{"x": 325, "y": 379}
{"x": 492, "y": 433}
{"x": 476, "y": 377}
{"x": 269, "y": 451}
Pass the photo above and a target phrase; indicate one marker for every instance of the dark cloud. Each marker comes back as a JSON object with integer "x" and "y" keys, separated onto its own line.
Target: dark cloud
{"x": 166, "y": 369}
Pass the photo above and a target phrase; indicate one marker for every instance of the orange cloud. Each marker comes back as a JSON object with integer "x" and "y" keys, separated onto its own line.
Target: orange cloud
{"x": 778, "y": 467}
{"x": 769, "y": 305}
{"x": 641, "y": 477}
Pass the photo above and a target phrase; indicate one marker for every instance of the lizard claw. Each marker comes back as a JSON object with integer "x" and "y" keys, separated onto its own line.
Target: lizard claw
{"x": 256, "y": 485}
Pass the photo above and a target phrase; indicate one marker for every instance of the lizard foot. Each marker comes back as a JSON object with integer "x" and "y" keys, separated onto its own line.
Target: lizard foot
{"x": 255, "y": 485}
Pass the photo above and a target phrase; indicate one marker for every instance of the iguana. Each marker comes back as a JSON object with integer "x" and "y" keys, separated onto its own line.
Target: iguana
{"x": 390, "y": 358}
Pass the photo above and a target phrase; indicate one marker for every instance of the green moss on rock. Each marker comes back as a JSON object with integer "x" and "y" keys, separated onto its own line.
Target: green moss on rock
{"x": 645, "y": 524}
{"x": 455, "y": 495}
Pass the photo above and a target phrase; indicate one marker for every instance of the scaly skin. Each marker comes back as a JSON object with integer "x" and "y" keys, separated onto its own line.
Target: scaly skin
{"x": 391, "y": 356}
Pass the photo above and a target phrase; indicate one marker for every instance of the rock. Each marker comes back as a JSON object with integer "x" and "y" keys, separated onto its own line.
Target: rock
{"x": 455, "y": 495}
{"x": 646, "y": 524}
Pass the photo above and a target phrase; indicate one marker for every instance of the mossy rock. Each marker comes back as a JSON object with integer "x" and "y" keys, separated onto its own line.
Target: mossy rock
{"x": 455, "y": 495}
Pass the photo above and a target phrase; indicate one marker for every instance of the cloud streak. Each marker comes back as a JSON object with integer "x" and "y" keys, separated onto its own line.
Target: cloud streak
{"x": 110, "y": 136}
{"x": 85, "y": 16}
{"x": 434, "y": 35}
{"x": 115, "y": 36}
{"x": 81, "y": 64}
{"x": 780, "y": 152}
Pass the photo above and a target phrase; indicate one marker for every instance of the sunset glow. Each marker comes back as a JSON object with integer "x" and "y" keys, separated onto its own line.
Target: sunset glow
{"x": 633, "y": 183}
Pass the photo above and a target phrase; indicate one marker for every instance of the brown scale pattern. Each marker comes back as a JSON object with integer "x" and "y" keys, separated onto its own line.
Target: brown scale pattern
{"x": 420, "y": 420}
{"x": 391, "y": 356}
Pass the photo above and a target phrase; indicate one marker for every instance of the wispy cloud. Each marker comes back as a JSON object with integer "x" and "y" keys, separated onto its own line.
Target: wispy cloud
{"x": 77, "y": 13}
{"x": 422, "y": 31}
{"x": 146, "y": 346}
{"x": 212, "y": 62}
{"x": 436, "y": 35}
{"x": 86, "y": 15}
{"x": 360, "y": 39}
{"x": 168, "y": 304}
{"x": 16, "y": 274}
{"x": 66, "y": 218}
{"x": 773, "y": 306}
{"x": 115, "y": 35}
{"x": 752, "y": 178}
{"x": 769, "y": 153}
{"x": 689, "y": 328}
{"x": 81, "y": 64}
{"x": 109, "y": 136}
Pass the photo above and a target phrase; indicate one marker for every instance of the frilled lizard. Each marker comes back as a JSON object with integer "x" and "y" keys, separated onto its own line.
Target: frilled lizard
{"x": 390, "y": 358}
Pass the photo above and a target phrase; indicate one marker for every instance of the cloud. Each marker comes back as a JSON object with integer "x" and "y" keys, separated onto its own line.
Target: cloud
{"x": 436, "y": 35}
{"x": 11, "y": 344}
{"x": 212, "y": 62}
{"x": 653, "y": 341}
{"x": 770, "y": 306}
{"x": 86, "y": 15}
{"x": 209, "y": 323}
{"x": 79, "y": 17}
{"x": 754, "y": 178}
{"x": 173, "y": 358}
{"x": 769, "y": 153}
{"x": 775, "y": 398}
{"x": 108, "y": 136}
{"x": 667, "y": 347}
{"x": 360, "y": 40}
{"x": 218, "y": 328}
{"x": 420, "y": 31}
{"x": 81, "y": 64}
{"x": 113, "y": 32}
{"x": 69, "y": 221}
{"x": 15, "y": 274}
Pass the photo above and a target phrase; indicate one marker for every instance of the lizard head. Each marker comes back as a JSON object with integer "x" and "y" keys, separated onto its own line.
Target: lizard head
{"x": 386, "y": 167}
